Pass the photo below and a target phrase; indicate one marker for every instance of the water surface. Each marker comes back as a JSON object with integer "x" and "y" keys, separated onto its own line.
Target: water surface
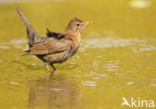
{"x": 117, "y": 57}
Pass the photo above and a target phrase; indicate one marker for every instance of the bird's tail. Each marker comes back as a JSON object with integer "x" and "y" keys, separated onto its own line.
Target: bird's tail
{"x": 33, "y": 37}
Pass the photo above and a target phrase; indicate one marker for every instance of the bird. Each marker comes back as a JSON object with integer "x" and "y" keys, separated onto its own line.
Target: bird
{"x": 56, "y": 47}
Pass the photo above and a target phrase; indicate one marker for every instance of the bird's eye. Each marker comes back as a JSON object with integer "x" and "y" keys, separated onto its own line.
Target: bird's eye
{"x": 78, "y": 24}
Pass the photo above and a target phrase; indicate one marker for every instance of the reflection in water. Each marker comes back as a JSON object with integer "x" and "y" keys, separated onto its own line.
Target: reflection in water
{"x": 54, "y": 93}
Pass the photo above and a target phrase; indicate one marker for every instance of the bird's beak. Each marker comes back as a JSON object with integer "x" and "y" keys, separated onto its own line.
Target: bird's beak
{"x": 89, "y": 23}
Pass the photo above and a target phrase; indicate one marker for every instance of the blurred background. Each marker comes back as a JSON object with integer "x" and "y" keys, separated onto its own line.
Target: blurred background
{"x": 117, "y": 57}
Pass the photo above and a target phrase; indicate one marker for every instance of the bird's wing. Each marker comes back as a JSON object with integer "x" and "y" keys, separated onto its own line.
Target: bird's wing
{"x": 50, "y": 46}
{"x": 54, "y": 34}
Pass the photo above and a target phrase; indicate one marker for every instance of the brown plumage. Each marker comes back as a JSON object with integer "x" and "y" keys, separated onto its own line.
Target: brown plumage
{"x": 57, "y": 47}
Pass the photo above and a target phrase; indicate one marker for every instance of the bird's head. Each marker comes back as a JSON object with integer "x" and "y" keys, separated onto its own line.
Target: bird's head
{"x": 77, "y": 25}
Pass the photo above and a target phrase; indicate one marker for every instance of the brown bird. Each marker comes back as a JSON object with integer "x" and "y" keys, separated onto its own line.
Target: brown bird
{"x": 57, "y": 47}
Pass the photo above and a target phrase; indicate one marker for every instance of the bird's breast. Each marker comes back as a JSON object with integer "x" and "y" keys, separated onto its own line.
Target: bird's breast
{"x": 76, "y": 41}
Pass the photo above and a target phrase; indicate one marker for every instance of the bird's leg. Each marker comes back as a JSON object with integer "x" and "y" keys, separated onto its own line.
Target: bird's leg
{"x": 54, "y": 69}
{"x": 46, "y": 66}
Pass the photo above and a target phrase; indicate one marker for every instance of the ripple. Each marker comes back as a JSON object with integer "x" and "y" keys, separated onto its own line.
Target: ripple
{"x": 146, "y": 48}
{"x": 88, "y": 83}
{"x": 112, "y": 65}
{"x": 130, "y": 83}
{"x": 153, "y": 82}
{"x": 136, "y": 45}
{"x": 97, "y": 76}
{"x": 111, "y": 69}
{"x": 18, "y": 41}
{"x": 108, "y": 42}
{"x": 4, "y": 47}
{"x": 33, "y": 64}
{"x": 153, "y": 85}
{"x": 56, "y": 89}
{"x": 119, "y": 74}
{"x": 14, "y": 83}
{"x": 101, "y": 75}
{"x": 18, "y": 44}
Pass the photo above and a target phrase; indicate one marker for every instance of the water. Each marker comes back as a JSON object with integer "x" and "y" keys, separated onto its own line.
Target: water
{"x": 117, "y": 57}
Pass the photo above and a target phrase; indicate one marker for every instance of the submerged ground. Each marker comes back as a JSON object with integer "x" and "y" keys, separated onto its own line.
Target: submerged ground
{"x": 117, "y": 57}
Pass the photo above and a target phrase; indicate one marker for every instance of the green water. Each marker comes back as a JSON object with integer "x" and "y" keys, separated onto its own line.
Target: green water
{"x": 117, "y": 57}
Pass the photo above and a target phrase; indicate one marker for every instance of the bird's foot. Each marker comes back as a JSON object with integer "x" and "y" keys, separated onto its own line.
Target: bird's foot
{"x": 49, "y": 74}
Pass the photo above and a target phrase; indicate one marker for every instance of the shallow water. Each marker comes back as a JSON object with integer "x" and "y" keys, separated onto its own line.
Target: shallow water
{"x": 117, "y": 57}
